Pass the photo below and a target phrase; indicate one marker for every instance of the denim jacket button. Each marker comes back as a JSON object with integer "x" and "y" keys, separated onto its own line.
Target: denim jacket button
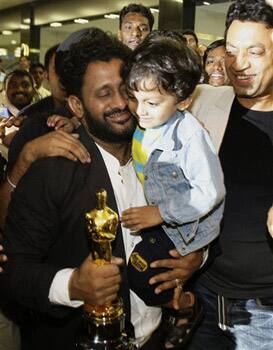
{"x": 174, "y": 175}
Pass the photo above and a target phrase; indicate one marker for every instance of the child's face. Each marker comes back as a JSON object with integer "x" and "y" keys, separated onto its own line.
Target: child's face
{"x": 152, "y": 107}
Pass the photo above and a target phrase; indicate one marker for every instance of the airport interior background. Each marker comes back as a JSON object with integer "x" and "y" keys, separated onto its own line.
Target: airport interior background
{"x": 31, "y": 27}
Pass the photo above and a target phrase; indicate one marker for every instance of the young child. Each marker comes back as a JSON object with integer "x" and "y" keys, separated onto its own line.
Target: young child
{"x": 180, "y": 171}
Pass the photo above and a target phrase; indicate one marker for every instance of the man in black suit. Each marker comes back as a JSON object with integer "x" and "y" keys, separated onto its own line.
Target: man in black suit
{"x": 50, "y": 273}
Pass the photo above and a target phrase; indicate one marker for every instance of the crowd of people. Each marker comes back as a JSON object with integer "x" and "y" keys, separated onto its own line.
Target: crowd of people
{"x": 182, "y": 143}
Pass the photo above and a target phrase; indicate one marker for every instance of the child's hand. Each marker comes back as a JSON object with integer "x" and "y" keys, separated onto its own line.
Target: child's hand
{"x": 270, "y": 221}
{"x": 60, "y": 123}
{"x": 139, "y": 218}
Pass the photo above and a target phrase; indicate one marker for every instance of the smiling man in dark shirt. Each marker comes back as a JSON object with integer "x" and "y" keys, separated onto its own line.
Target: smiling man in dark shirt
{"x": 237, "y": 288}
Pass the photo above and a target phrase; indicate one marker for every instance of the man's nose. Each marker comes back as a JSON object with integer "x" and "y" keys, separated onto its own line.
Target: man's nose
{"x": 217, "y": 64}
{"x": 136, "y": 32}
{"x": 20, "y": 88}
{"x": 119, "y": 101}
{"x": 241, "y": 62}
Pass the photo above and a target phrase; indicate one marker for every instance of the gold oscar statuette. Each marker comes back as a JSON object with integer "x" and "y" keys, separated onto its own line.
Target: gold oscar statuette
{"x": 103, "y": 325}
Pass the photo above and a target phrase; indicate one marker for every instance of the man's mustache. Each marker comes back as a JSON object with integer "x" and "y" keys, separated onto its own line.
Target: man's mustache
{"x": 115, "y": 111}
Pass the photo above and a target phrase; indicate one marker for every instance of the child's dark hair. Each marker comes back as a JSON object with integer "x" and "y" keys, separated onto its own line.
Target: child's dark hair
{"x": 170, "y": 64}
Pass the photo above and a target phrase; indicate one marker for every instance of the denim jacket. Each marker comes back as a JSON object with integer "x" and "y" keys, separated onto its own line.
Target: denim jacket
{"x": 183, "y": 177}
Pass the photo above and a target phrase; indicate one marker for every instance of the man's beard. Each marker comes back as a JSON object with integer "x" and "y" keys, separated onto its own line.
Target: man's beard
{"x": 104, "y": 131}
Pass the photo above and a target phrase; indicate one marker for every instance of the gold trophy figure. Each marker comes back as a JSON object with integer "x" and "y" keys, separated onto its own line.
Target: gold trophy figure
{"x": 103, "y": 324}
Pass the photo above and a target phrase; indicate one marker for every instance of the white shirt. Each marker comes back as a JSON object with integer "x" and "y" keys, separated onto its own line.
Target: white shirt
{"x": 42, "y": 92}
{"x": 128, "y": 193}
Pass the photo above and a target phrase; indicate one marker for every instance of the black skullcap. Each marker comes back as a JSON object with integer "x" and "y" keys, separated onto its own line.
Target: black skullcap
{"x": 155, "y": 245}
{"x": 75, "y": 37}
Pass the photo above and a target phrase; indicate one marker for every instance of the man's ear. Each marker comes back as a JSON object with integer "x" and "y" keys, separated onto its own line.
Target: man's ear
{"x": 185, "y": 103}
{"x": 76, "y": 106}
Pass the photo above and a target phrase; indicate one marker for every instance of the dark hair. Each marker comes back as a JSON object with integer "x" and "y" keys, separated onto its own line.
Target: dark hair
{"x": 169, "y": 63}
{"x": 173, "y": 34}
{"x": 23, "y": 56}
{"x": 250, "y": 10}
{"x": 18, "y": 73}
{"x": 212, "y": 46}
{"x": 137, "y": 8}
{"x": 190, "y": 32}
{"x": 49, "y": 54}
{"x": 36, "y": 65}
{"x": 86, "y": 51}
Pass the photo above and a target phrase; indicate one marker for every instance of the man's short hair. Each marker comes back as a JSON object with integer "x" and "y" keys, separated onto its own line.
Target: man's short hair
{"x": 88, "y": 50}
{"x": 36, "y": 65}
{"x": 212, "y": 46}
{"x": 137, "y": 8}
{"x": 23, "y": 56}
{"x": 251, "y": 11}
{"x": 49, "y": 54}
{"x": 170, "y": 64}
{"x": 192, "y": 33}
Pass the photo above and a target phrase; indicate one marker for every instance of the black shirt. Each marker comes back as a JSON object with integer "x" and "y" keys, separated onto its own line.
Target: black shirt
{"x": 34, "y": 126}
{"x": 244, "y": 269}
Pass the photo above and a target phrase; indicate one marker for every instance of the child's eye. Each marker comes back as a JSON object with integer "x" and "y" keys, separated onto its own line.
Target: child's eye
{"x": 151, "y": 103}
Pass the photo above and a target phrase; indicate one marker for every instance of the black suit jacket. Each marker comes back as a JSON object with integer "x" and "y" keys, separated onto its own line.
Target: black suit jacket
{"x": 46, "y": 232}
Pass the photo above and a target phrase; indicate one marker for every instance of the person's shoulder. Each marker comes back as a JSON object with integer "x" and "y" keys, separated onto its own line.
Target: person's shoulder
{"x": 207, "y": 91}
{"x": 59, "y": 172}
{"x": 189, "y": 125}
{"x": 37, "y": 108}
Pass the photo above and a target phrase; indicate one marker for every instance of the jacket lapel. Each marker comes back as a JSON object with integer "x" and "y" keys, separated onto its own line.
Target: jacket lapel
{"x": 98, "y": 178}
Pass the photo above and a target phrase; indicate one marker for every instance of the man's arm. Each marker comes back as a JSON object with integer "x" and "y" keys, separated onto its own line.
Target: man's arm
{"x": 55, "y": 143}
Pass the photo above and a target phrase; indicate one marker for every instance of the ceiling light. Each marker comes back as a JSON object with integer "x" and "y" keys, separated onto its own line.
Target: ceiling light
{"x": 7, "y": 32}
{"x": 24, "y": 26}
{"x": 13, "y": 42}
{"x": 81, "y": 20}
{"x": 26, "y": 20}
{"x": 3, "y": 52}
{"x": 206, "y": 3}
{"x": 154, "y": 10}
{"x": 111, "y": 16}
{"x": 55, "y": 24}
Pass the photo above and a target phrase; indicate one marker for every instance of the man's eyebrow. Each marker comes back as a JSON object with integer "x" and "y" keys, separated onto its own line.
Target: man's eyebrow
{"x": 249, "y": 47}
{"x": 132, "y": 22}
{"x": 105, "y": 86}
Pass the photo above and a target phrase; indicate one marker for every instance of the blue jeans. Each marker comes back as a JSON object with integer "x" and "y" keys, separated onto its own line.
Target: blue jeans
{"x": 233, "y": 324}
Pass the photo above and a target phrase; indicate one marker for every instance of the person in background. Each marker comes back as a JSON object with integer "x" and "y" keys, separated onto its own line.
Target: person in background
{"x": 214, "y": 64}
{"x": 192, "y": 40}
{"x": 24, "y": 63}
{"x": 37, "y": 70}
{"x": 19, "y": 92}
{"x": 135, "y": 23}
